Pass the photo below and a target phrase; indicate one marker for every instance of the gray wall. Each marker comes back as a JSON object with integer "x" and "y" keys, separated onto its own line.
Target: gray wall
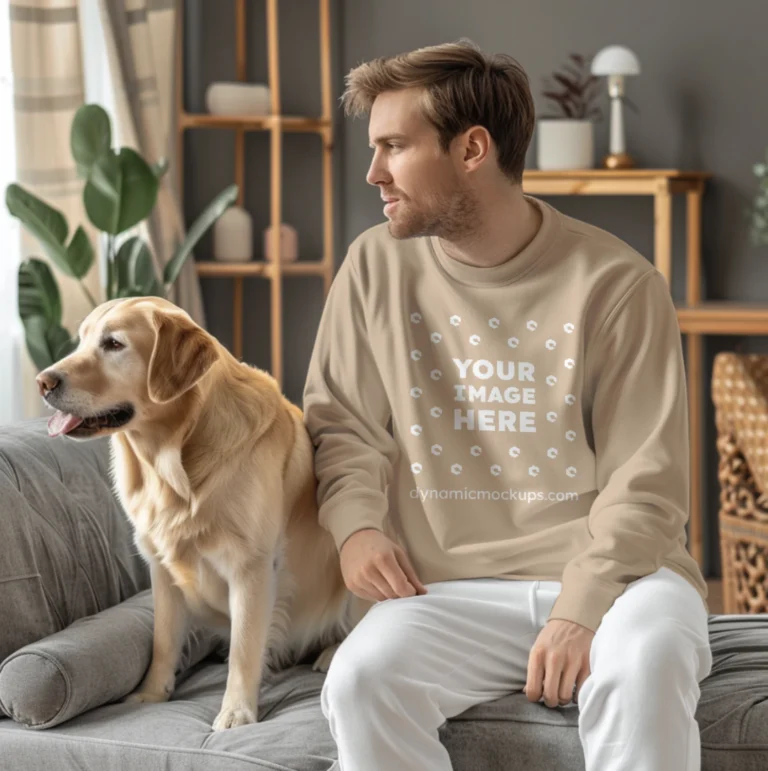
{"x": 702, "y": 105}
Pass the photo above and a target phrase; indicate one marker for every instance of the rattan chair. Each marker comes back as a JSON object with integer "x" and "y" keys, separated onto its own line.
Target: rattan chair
{"x": 740, "y": 395}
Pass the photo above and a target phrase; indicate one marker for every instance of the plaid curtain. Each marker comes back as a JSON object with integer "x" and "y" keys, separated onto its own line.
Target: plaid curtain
{"x": 47, "y": 91}
{"x": 140, "y": 37}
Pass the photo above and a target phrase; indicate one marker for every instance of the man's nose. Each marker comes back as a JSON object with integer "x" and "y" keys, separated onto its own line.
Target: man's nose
{"x": 377, "y": 174}
{"x": 47, "y": 381}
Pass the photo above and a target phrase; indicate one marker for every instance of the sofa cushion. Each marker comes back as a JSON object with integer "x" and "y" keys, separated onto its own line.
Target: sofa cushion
{"x": 96, "y": 660}
{"x": 67, "y": 545}
{"x": 509, "y": 734}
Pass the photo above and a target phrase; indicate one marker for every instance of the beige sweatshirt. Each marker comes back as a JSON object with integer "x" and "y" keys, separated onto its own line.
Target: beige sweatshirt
{"x": 539, "y": 414}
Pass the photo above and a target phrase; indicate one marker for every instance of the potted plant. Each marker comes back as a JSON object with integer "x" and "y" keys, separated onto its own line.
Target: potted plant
{"x": 758, "y": 212}
{"x": 120, "y": 191}
{"x": 565, "y": 134}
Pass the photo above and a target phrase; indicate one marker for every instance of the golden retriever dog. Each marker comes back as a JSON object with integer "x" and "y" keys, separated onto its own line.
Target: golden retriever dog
{"x": 214, "y": 467}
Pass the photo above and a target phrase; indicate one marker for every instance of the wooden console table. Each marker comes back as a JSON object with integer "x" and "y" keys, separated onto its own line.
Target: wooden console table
{"x": 695, "y": 320}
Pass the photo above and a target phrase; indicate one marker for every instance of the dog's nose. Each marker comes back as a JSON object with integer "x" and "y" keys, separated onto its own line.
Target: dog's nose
{"x": 47, "y": 381}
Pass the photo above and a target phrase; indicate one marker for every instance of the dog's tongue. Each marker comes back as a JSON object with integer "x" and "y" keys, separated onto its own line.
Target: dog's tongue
{"x": 62, "y": 423}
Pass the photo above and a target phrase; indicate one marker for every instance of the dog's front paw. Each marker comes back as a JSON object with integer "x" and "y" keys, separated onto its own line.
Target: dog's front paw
{"x": 323, "y": 661}
{"x": 145, "y": 697}
{"x": 232, "y": 717}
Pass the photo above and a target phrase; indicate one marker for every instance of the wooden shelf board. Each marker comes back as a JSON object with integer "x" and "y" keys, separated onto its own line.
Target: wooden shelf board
{"x": 215, "y": 269}
{"x": 254, "y": 122}
{"x": 724, "y": 317}
{"x": 611, "y": 182}
{"x": 617, "y": 173}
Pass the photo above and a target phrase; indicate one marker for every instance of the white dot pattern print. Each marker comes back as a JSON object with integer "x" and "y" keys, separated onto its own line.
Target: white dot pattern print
{"x": 475, "y": 401}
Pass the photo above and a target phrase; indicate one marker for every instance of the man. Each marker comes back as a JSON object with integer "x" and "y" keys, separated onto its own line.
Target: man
{"x": 522, "y": 524}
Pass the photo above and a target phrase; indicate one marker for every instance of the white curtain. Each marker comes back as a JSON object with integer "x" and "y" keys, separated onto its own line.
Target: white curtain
{"x": 11, "y": 331}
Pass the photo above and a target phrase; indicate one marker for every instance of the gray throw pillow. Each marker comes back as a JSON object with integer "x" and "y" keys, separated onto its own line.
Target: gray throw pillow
{"x": 96, "y": 660}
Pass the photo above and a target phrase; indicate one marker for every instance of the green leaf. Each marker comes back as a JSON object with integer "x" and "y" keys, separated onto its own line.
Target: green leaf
{"x": 212, "y": 212}
{"x": 90, "y": 136}
{"x": 122, "y": 268}
{"x": 120, "y": 192}
{"x": 131, "y": 291}
{"x": 47, "y": 224}
{"x": 110, "y": 278}
{"x": 160, "y": 168}
{"x": 135, "y": 267}
{"x": 59, "y": 342}
{"x": 46, "y": 343}
{"x": 80, "y": 253}
{"x": 38, "y": 291}
{"x": 35, "y": 328}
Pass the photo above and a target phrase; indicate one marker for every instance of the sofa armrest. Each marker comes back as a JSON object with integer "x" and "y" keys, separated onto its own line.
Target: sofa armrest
{"x": 66, "y": 545}
{"x": 95, "y": 661}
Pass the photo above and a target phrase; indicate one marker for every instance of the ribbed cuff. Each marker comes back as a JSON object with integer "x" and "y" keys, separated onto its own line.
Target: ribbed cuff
{"x": 350, "y": 515}
{"x": 585, "y": 602}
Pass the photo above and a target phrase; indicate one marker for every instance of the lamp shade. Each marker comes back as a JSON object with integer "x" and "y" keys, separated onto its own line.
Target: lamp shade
{"x": 615, "y": 60}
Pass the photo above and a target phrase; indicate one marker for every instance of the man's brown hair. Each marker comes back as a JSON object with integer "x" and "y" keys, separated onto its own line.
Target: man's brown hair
{"x": 463, "y": 87}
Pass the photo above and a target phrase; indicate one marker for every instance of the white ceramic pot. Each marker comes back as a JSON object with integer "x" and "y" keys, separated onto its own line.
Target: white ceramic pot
{"x": 565, "y": 144}
{"x": 233, "y": 236}
{"x": 238, "y": 99}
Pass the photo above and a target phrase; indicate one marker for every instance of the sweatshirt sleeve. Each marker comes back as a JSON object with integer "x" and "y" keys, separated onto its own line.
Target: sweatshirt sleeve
{"x": 346, "y": 411}
{"x": 641, "y": 443}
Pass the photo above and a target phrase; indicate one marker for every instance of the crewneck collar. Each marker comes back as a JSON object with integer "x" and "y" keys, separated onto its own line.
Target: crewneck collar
{"x": 512, "y": 269}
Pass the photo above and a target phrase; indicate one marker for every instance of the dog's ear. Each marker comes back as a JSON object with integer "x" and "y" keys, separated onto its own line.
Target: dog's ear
{"x": 182, "y": 354}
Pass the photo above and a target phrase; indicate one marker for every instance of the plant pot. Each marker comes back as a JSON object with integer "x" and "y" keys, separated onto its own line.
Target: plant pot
{"x": 565, "y": 144}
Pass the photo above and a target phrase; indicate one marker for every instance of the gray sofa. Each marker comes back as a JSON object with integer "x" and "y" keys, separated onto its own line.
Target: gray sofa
{"x": 71, "y": 589}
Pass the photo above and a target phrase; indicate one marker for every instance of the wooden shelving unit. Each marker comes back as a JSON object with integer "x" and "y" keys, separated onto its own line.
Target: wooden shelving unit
{"x": 696, "y": 318}
{"x": 723, "y": 318}
{"x": 276, "y": 124}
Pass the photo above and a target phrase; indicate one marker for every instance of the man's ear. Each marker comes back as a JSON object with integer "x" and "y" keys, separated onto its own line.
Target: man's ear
{"x": 182, "y": 354}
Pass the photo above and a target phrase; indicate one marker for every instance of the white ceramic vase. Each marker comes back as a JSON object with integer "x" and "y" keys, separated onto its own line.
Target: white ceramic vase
{"x": 233, "y": 236}
{"x": 237, "y": 99}
{"x": 564, "y": 143}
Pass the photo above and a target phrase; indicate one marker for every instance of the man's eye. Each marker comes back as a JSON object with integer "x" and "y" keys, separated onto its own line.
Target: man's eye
{"x": 111, "y": 344}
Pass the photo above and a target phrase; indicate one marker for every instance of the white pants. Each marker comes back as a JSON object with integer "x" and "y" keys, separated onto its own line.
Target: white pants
{"x": 413, "y": 662}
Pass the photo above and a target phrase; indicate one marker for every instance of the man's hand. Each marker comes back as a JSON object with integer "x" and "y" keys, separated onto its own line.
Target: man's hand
{"x": 559, "y": 660}
{"x": 376, "y": 568}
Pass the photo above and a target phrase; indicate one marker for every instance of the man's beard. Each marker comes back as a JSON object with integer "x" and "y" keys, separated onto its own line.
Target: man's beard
{"x": 450, "y": 216}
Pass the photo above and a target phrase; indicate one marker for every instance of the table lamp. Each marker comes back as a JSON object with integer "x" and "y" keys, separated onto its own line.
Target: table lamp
{"x": 616, "y": 62}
